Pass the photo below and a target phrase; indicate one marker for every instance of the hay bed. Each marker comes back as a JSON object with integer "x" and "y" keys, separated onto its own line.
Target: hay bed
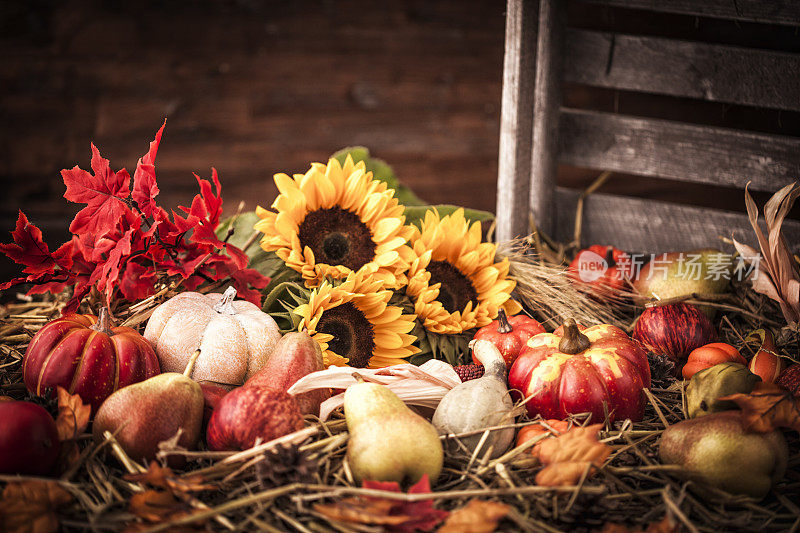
{"x": 633, "y": 488}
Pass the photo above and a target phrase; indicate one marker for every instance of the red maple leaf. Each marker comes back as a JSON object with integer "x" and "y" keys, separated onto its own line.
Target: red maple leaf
{"x": 145, "y": 188}
{"x": 29, "y": 249}
{"x": 103, "y": 192}
{"x": 122, "y": 252}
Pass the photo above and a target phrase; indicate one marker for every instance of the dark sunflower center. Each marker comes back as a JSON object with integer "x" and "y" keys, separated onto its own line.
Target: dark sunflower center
{"x": 456, "y": 289}
{"x": 352, "y": 334}
{"x": 337, "y": 237}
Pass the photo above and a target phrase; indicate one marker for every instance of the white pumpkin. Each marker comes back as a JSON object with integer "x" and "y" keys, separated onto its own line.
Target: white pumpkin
{"x": 235, "y": 338}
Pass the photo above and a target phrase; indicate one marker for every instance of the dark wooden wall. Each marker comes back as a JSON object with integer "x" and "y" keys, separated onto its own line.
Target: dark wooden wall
{"x": 255, "y": 87}
{"x": 251, "y": 87}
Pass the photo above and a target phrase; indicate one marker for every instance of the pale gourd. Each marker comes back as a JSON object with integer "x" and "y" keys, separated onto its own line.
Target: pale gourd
{"x": 479, "y": 404}
{"x": 235, "y": 338}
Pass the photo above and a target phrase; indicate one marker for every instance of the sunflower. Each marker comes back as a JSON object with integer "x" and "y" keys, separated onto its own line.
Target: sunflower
{"x": 453, "y": 281}
{"x": 334, "y": 220}
{"x": 355, "y": 325}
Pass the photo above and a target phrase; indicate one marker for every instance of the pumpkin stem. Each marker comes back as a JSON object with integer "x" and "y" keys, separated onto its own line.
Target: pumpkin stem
{"x": 103, "y": 324}
{"x": 505, "y": 326}
{"x": 190, "y": 364}
{"x": 573, "y": 342}
{"x": 610, "y": 257}
{"x": 225, "y": 304}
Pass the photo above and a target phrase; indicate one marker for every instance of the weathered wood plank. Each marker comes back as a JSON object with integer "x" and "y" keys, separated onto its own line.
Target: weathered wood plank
{"x": 547, "y": 101}
{"x": 716, "y": 73}
{"x": 767, "y": 11}
{"x": 676, "y": 150}
{"x": 650, "y": 226}
{"x": 516, "y": 120}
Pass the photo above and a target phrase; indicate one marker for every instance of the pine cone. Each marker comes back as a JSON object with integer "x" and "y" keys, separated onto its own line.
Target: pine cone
{"x": 283, "y": 465}
{"x": 469, "y": 372}
{"x": 662, "y": 369}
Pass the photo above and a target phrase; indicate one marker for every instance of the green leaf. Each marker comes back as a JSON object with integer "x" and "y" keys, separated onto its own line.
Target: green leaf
{"x": 380, "y": 169}
{"x": 267, "y": 263}
{"x": 406, "y": 196}
{"x": 416, "y": 214}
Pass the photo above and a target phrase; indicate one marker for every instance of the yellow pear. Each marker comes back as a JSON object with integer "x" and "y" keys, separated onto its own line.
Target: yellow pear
{"x": 388, "y": 441}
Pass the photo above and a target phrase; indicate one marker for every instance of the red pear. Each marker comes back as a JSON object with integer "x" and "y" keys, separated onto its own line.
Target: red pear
{"x": 296, "y": 355}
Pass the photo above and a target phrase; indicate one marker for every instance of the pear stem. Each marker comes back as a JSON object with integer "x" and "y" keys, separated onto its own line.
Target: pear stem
{"x": 103, "y": 324}
{"x": 573, "y": 342}
{"x": 190, "y": 364}
{"x": 225, "y": 304}
{"x": 505, "y": 326}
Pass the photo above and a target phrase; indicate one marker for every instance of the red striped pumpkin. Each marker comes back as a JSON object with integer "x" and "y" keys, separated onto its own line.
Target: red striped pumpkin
{"x": 87, "y": 357}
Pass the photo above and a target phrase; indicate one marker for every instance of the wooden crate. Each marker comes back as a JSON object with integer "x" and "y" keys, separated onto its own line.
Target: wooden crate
{"x": 537, "y": 133}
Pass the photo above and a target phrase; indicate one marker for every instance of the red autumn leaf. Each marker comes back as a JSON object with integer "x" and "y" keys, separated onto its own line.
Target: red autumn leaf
{"x": 478, "y": 516}
{"x": 108, "y": 274}
{"x": 136, "y": 281}
{"x": 104, "y": 193}
{"x": 145, "y": 188}
{"x": 28, "y": 248}
{"x": 395, "y": 515}
{"x": 31, "y": 506}
{"x": 73, "y": 415}
{"x": 570, "y": 455}
{"x": 125, "y": 253}
{"x": 768, "y": 408}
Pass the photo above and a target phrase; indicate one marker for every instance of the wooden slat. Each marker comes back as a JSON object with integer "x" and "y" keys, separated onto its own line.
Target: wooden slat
{"x": 686, "y": 152}
{"x": 767, "y": 11}
{"x": 516, "y": 120}
{"x": 650, "y": 226}
{"x": 681, "y": 68}
{"x": 547, "y": 101}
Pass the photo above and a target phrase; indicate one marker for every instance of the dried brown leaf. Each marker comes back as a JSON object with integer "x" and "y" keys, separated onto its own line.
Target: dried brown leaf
{"x": 156, "y": 506}
{"x": 768, "y": 408}
{"x": 30, "y": 506}
{"x": 568, "y": 456}
{"x": 164, "y": 478}
{"x": 73, "y": 415}
{"x": 395, "y": 515}
{"x": 478, "y": 516}
{"x": 776, "y": 275}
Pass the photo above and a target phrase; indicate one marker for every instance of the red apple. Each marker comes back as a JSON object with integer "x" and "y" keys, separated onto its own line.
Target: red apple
{"x": 674, "y": 330}
{"x": 28, "y": 439}
{"x": 212, "y": 395}
{"x": 249, "y": 413}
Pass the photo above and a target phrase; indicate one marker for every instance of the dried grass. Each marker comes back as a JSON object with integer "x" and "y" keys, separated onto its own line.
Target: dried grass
{"x": 632, "y": 488}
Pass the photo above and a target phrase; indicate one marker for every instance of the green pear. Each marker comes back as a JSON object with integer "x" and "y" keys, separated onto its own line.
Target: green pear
{"x": 707, "y": 386}
{"x": 142, "y": 415}
{"x": 388, "y": 441}
{"x": 716, "y": 450}
{"x": 674, "y": 274}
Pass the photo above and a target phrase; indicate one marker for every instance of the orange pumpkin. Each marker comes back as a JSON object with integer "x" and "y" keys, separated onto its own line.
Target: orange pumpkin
{"x": 710, "y": 355}
{"x": 534, "y": 430}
